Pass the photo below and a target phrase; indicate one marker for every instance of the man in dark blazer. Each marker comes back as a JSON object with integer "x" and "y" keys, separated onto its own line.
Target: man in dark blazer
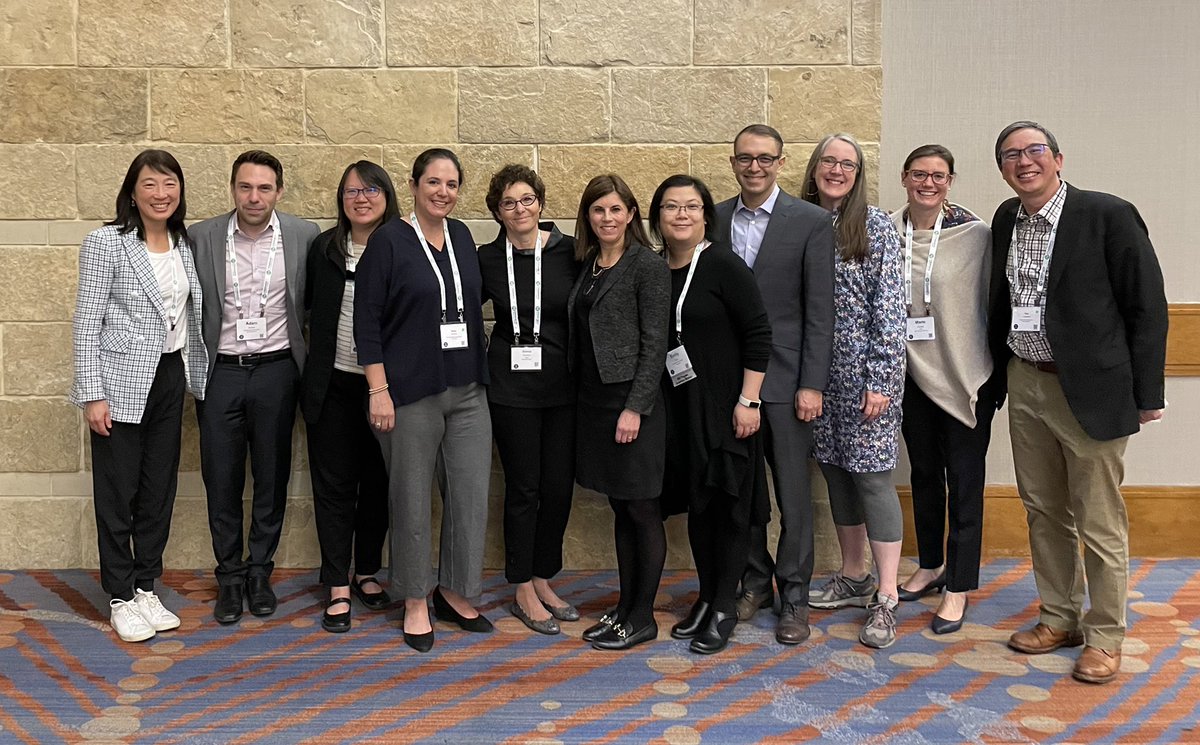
{"x": 789, "y": 244}
{"x": 251, "y": 265}
{"x": 1078, "y": 332}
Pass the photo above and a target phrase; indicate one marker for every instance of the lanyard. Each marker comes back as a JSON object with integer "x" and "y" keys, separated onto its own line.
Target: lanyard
{"x": 233, "y": 266}
{"x": 537, "y": 289}
{"x": 174, "y": 313}
{"x": 1045, "y": 270}
{"x": 687, "y": 283}
{"x": 908, "y": 259}
{"x": 458, "y": 293}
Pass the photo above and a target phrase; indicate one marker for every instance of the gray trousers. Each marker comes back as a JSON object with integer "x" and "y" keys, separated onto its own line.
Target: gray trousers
{"x": 788, "y": 444}
{"x": 449, "y": 432}
{"x": 855, "y": 498}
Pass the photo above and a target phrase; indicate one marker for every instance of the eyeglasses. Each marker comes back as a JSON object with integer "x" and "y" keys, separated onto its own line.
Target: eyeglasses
{"x": 508, "y": 205}
{"x": 765, "y": 161}
{"x": 1031, "y": 151}
{"x": 370, "y": 192}
{"x": 918, "y": 177}
{"x": 671, "y": 208}
{"x": 831, "y": 163}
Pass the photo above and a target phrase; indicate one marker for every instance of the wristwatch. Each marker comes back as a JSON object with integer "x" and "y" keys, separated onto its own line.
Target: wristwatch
{"x": 748, "y": 403}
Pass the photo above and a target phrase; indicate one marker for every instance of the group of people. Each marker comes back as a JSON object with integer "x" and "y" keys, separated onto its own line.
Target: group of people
{"x": 767, "y": 329}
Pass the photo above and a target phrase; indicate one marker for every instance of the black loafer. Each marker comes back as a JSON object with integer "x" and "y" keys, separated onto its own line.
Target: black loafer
{"x": 939, "y": 583}
{"x": 228, "y": 608}
{"x": 620, "y": 636}
{"x": 693, "y": 622}
{"x": 606, "y": 622}
{"x": 940, "y": 625}
{"x": 446, "y": 612}
{"x": 336, "y": 623}
{"x": 373, "y": 600}
{"x": 259, "y": 595}
{"x": 715, "y": 634}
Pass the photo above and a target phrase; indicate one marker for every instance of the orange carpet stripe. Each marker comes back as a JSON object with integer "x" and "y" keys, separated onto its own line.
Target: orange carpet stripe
{"x": 45, "y": 716}
{"x": 11, "y": 726}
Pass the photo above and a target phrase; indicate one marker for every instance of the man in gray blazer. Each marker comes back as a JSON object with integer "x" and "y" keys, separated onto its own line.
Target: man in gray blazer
{"x": 251, "y": 265}
{"x": 789, "y": 244}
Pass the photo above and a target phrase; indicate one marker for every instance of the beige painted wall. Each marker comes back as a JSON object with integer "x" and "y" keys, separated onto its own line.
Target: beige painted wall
{"x": 1116, "y": 83}
{"x": 646, "y": 89}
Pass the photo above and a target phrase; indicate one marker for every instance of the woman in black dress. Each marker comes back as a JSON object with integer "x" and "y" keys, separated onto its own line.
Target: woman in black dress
{"x": 719, "y": 340}
{"x": 349, "y": 479}
{"x": 532, "y": 392}
{"x": 619, "y": 309}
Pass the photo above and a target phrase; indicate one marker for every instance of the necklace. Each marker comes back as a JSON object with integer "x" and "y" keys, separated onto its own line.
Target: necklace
{"x": 597, "y": 272}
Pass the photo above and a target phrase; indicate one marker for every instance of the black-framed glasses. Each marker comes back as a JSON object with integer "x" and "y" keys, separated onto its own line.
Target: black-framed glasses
{"x": 370, "y": 192}
{"x": 765, "y": 161}
{"x": 508, "y": 205}
{"x": 1032, "y": 152}
{"x": 938, "y": 177}
{"x": 846, "y": 165}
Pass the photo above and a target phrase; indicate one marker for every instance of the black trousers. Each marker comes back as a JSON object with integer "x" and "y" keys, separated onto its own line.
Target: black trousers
{"x": 944, "y": 452}
{"x": 537, "y": 450}
{"x": 247, "y": 408}
{"x": 134, "y": 474}
{"x": 349, "y": 480}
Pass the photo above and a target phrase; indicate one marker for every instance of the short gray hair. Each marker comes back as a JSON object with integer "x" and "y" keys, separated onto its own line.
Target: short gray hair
{"x": 1025, "y": 124}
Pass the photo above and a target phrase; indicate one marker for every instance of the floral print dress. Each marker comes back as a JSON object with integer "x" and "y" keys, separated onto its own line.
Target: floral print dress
{"x": 868, "y": 355}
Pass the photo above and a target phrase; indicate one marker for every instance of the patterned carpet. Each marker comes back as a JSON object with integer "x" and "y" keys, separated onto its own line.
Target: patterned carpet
{"x": 64, "y": 677}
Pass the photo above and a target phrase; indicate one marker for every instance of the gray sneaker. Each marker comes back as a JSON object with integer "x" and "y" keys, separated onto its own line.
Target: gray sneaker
{"x": 841, "y": 592}
{"x": 880, "y": 629}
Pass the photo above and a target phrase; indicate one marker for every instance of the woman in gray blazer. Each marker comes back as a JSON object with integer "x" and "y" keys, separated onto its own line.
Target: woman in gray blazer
{"x": 137, "y": 320}
{"x": 619, "y": 310}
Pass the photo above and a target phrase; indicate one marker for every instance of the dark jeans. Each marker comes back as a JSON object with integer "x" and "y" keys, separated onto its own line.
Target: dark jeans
{"x": 537, "y": 450}
{"x": 134, "y": 473}
{"x": 247, "y": 408}
{"x": 349, "y": 480}
{"x": 944, "y": 452}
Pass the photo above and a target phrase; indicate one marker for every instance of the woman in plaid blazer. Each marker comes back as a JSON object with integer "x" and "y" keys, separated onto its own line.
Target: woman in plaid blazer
{"x": 137, "y": 347}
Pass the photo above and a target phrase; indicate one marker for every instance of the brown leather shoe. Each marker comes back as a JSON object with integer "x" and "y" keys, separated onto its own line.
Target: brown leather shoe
{"x": 750, "y": 602}
{"x": 1042, "y": 639}
{"x": 793, "y": 624}
{"x": 1097, "y": 665}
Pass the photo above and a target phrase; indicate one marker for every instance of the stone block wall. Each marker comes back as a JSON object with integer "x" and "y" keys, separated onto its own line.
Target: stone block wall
{"x": 644, "y": 89}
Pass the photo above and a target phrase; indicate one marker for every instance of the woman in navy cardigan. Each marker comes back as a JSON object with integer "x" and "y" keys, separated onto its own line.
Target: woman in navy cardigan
{"x": 419, "y": 329}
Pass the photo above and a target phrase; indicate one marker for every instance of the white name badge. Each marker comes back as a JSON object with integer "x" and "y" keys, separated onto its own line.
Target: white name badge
{"x": 251, "y": 328}
{"x": 679, "y": 366}
{"x": 526, "y": 358}
{"x": 921, "y": 329}
{"x": 454, "y": 336}
{"x": 1027, "y": 318}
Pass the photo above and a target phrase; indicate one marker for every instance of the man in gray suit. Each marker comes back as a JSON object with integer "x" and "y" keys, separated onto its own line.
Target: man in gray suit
{"x": 789, "y": 244}
{"x": 251, "y": 265}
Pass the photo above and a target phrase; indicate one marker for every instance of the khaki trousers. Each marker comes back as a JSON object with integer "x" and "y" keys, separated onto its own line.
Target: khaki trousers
{"x": 1070, "y": 484}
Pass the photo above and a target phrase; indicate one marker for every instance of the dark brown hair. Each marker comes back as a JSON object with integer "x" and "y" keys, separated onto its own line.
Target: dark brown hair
{"x": 258, "y": 158}
{"x": 931, "y": 151}
{"x": 513, "y": 173}
{"x": 128, "y": 219}
{"x": 586, "y": 242}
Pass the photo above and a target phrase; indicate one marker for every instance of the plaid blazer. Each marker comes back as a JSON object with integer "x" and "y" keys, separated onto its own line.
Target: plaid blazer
{"x": 121, "y": 325}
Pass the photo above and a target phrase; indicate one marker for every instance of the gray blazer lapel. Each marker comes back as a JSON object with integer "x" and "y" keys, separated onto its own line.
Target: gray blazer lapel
{"x": 135, "y": 251}
{"x": 294, "y": 259}
{"x": 218, "y": 245}
{"x": 777, "y": 226}
{"x": 621, "y": 267}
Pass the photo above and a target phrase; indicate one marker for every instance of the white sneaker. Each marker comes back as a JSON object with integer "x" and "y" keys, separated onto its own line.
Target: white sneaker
{"x": 151, "y": 608}
{"x": 127, "y": 621}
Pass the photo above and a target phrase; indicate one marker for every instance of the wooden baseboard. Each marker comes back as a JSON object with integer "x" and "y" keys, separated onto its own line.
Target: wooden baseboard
{"x": 1163, "y": 521}
{"x": 1183, "y": 340}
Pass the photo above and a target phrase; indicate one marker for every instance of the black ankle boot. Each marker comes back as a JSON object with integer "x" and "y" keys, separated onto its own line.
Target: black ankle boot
{"x": 693, "y": 622}
{"x": 716, "y": 633}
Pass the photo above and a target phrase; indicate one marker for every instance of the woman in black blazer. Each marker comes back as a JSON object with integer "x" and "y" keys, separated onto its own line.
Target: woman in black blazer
{"x": 619, "y": 319}
{"x": 348, "y": 476}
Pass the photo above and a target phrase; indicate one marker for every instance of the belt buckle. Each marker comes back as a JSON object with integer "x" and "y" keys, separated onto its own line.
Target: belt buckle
{"x": 246, "y": 360}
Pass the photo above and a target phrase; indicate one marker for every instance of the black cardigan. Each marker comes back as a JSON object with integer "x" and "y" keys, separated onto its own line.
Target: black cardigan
{"x": 325, "y": 285}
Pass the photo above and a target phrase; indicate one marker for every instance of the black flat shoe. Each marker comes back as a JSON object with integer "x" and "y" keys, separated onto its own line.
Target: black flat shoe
{"x": 693, "y": 622}
{"x": 620, "y": 636}
{"x": 937, "y": 585}
{"x": 373, "y": 600}
{"x": 420, "y": 642}
{"x": 336, "y": 623}
{"x": 940, "y": 625}
{"x": 606, "y": 622}
{"x": 715, "y": 634}
{"x": 259, "y": 595}
{"x": 446, "y": 612}
{"x": 228, "y": 608}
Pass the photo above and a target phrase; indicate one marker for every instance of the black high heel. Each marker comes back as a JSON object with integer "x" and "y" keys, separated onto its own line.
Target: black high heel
{"x": 940, "y": 625}
{"x": 937, "y": 585}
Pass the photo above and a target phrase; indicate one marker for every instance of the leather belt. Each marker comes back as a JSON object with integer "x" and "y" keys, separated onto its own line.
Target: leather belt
{"x": 250, "y": 360}
{"x": 1046, "y": 367}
